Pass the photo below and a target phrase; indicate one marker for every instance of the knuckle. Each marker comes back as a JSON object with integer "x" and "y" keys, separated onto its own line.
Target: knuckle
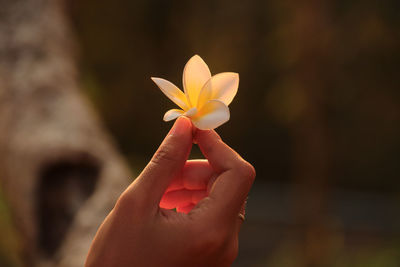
{"x": 164, "y": 155}
{"x": 247, "y": 170}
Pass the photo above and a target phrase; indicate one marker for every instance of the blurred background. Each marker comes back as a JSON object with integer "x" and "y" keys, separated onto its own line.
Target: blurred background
{"x": 317, "y": 112}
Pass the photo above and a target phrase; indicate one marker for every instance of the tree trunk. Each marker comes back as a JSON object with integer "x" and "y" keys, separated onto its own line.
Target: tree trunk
{"x": 59, "y": 170}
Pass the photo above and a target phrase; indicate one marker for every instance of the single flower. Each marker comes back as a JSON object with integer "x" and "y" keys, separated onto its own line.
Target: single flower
{"x": 206, "y": 98}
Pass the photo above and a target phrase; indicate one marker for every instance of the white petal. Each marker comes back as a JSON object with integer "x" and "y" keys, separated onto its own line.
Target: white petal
{"x": 224, "y": 86}
{"x": 172, "y": 114}
{"x": 172, "y": 92}
{"x": 191, "y": 112}
{"x": 195, "y": 74}
{"x": 213, "y": 114}
{"x": 205, "y": 94}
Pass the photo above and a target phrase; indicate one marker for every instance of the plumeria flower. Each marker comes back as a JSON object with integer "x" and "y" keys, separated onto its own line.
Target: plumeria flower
{"x": 206, "y": 98}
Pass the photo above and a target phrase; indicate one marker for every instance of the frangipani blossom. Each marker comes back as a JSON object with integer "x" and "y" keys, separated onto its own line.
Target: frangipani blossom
{"x": 205, "y": 99}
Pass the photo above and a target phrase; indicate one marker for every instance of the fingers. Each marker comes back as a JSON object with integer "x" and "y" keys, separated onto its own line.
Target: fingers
{"x": 196, "y": 174}
{"x": 177, "y": 198}
{"x": 176, "y": 184}
{"x": 190, "y": 186}
{"x": 181, "y": 198}
{"x": 185, "y": 209}
{"x": 236, "y": 176}
{"x": 166, "y": 164}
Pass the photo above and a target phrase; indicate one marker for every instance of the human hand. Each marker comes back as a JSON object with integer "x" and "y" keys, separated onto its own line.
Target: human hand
{"x": 208, "y": 194}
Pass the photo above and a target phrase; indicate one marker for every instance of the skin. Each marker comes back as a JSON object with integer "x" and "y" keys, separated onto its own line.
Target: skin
{"x": 208, "y": 194}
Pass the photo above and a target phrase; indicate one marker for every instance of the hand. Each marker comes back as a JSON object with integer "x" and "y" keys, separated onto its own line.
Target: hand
{"x": 208, "y": 195}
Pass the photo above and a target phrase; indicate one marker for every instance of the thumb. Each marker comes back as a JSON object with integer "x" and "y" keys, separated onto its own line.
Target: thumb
{"x": 166, "y": 164}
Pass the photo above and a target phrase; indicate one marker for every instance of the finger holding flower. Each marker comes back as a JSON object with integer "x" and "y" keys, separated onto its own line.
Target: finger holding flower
{"x": 208, "y": 195}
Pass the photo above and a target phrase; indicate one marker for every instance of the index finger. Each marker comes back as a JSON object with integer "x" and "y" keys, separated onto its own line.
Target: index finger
{"x": 235, "y": 178}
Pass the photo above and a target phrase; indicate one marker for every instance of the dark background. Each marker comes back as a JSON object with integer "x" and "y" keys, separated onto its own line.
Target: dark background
{"x": 324, "y": 68}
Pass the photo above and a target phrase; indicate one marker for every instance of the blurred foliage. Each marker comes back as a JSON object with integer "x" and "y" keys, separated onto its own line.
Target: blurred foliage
{"x": 388, "y": 256}
{"x": 9, "y": 241}
{"x": 345, "y": 51}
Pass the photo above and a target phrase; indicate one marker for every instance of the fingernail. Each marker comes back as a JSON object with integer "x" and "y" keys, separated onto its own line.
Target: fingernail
{"x": 179, "y": 126}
